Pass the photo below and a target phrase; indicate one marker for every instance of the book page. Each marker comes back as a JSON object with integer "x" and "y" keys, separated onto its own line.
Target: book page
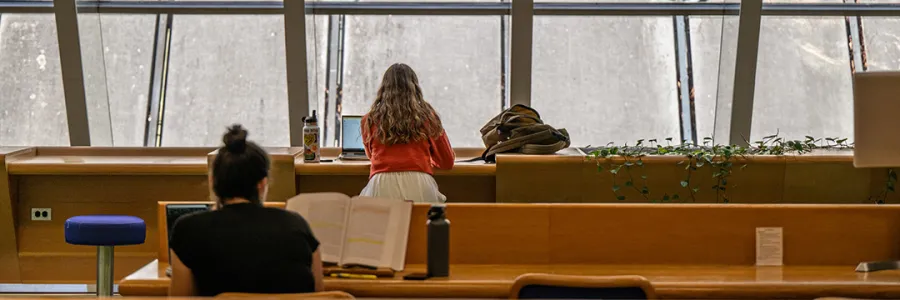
{"x": 377, "y": 232}
{"x": 367, "y": 233}
{"x": 327, "y": 215}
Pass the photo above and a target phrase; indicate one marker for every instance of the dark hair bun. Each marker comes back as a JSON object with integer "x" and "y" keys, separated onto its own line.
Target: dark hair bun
{"x": 235, "y": 139}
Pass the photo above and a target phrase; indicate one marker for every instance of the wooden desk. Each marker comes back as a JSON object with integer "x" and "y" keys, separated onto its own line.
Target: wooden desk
{"x": 466, "y": 182}
{"x": 78, "y": 181}
{"x": 687, "y": 251}
{"x": 671, "y": 281}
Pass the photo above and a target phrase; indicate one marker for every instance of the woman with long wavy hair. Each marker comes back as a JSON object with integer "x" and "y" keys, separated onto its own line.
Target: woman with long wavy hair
{"x": 405, "y": 140}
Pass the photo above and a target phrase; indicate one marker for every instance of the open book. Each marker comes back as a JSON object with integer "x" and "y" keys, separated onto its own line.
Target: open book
{"x": 357, "y": 231}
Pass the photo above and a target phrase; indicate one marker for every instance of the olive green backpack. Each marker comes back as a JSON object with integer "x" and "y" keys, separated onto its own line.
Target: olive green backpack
{"x": 519, "y": 129}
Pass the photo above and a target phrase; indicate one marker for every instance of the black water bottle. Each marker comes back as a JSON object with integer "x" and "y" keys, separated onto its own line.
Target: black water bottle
{"x": 438, "y": 242}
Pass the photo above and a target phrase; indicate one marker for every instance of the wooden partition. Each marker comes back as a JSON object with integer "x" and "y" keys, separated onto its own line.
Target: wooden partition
{"x": 686, "y": 250}
{"x": 825, "y": 177}
{"x": 80, "y": 181}
{"x": 668, "y": 234}
{"x": 470, "y": 182}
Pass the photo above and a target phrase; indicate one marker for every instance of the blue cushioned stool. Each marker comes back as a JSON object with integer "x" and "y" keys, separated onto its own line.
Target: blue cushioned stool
{"x": 105, "y": 232}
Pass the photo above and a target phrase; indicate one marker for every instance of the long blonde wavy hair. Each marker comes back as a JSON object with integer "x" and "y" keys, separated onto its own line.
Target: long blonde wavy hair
{"x": 400, "y": 114}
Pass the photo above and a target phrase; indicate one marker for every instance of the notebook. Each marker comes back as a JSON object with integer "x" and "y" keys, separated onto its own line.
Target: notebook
{"x": 366, "y": 231}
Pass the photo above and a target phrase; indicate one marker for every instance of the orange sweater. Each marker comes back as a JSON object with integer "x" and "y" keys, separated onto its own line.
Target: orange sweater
{"x": 419, "y": 156}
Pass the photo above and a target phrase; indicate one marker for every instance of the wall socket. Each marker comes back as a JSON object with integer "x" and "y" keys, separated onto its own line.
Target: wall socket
{"x": 41, "y": 214}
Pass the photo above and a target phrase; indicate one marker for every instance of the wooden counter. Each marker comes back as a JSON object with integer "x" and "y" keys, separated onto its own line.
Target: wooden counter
{"x": 820, "y": 177}
{"x": 473, "y": 182}
{"x": 79, "y": 181}
{"x": 686, "y": 250}
{"x": 670, "y": 281}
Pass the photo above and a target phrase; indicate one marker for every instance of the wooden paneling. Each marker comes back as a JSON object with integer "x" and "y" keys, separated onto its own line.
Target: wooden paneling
{"x": 722, "y": 234}
{"x": 43, "y": 243}
{"x": 78, "y": 267}
{"x": 9, "y": 258}
{"x": 123, "y": 151}
{"x": 670, "y": 282}
{"x": 487, "y": 234}
{"x": 811, "y": 178}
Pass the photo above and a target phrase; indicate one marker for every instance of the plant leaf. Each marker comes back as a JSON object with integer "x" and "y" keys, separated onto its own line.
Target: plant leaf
{"x": 675, "y": 197}
{"x": 620, "y": 197}
{"x": 629, "y": 183}
{"x": 684, "y": 183}
{"x": 696, "y": 189}
{"x": 616, "y": 188}
{"x": 665, "y": 198}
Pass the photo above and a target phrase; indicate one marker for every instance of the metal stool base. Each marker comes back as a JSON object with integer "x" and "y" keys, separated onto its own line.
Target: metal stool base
{"x": 105, "y": 271}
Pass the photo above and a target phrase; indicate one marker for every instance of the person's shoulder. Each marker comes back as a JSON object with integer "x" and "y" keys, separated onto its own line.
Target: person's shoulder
{"x": 193, "y": 219}
{"x": 287, "y": 215}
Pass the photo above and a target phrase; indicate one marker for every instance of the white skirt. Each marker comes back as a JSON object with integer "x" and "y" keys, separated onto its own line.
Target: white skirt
{"x": 416, "y": 186}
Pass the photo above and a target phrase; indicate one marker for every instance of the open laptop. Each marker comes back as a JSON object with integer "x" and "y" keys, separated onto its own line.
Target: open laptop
{"x": 351, "y": 139}
{"x": 175, "y": 211}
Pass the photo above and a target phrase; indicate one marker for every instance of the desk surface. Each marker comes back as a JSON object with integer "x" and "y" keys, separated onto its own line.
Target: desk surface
{"x": 37, "y": 165}
{"x": 345, "y": 167}
{"x": 494, "y": 281}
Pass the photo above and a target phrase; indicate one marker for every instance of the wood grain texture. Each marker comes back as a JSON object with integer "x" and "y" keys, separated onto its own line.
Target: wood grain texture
{"x": 102, "y": 165}
{"x": 9, "y": 259}
{"x": 663, "y": 234}
{"x": 78, "y": 267}
{"x": 576, "y": 281}
{"x": 670, "y": 282}
{"x": 49, "y": 257}
{"x": 820, "y": 177}
{"x": 722, "y": 234}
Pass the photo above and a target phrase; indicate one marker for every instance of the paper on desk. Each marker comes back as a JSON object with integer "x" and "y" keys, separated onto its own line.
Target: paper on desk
{"x": 769, "y": 246}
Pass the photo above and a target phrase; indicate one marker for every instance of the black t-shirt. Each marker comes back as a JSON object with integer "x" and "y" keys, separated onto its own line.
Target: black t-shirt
{"x": 246, "y": 248}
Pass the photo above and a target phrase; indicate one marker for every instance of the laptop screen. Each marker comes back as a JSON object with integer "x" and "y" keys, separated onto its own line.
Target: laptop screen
{"x": 175, "y": 211}
{"x": 351, "y": 134}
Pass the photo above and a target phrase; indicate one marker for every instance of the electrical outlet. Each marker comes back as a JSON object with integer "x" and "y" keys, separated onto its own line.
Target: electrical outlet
{"x": 41, "y": 214}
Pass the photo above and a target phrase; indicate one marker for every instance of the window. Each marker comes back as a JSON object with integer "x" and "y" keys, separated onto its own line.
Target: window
{"x": 225, "y": 70}
{"x": 32, "y": 104}
{"x": 117, "y": 54}
{"x": 881, "y": 37}
{"x": 606, "y": 79}
{"x": 713, "y": 49}
{"x": 803, "y": 79}
{"x": 457, "y": 59}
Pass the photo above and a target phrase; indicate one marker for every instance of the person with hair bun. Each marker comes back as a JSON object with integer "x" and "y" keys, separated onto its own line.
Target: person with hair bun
{"x": 242, "y": 246}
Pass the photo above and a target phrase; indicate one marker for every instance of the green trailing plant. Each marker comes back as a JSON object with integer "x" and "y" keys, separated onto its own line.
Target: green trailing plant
{"x": 625, "y": 164}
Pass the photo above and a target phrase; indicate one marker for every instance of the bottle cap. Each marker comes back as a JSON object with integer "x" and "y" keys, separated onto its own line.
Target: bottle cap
{"x": 311, "y": 119}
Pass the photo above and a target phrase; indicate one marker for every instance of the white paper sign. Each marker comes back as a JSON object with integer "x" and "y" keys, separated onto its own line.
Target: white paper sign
{"x": 769, "y": 246}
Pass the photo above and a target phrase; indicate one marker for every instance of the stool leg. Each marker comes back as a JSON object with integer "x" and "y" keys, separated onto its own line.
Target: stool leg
{"x": 104, "y": 271}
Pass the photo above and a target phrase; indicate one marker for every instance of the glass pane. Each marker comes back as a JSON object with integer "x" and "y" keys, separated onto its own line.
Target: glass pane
{"x": 457, "y": 59}
{"x": 225, "y": 70}
{"x": 606, "y": 79}
{"x": 713, "y": 48}
{"x": 803, "y": 80}
{"x": 117, "y": 53}
{"x": 882, "y": 43}
{"x": 33, "y": 109}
